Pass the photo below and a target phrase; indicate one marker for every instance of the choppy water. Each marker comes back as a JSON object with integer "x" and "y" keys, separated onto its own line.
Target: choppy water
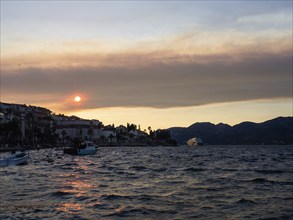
{"x": 223, "y": 182}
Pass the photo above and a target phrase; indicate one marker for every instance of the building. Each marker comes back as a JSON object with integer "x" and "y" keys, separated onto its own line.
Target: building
{"x": 67, "y": 130}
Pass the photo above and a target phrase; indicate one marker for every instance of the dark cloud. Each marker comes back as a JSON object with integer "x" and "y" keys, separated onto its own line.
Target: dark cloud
{"x": 158, "y": 85}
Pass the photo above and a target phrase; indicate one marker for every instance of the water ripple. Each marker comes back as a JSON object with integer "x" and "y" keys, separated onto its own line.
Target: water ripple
{"x": 210, "y": 182}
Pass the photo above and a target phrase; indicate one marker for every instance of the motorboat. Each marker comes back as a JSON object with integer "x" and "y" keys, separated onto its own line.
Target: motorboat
{"x": 195, "y": 142}
{"x": 82, "y": 148}
{"x": 14, "y": 159}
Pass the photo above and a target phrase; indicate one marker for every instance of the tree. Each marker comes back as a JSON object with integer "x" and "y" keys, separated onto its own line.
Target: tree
{"x": 67, "y": 139}
{"x": 90, "y": 132}
{"x": 11, "y": 132}
{"x": 111, "y": 137}
{"x": 163, "y": 134}
{"x": 63, "y": 133}
{"x": 30, "y": 125}
{"x": 151, "y": 133}
{"x": 150, "y": 130}
{"x": 103, "y": 139}
{"x": 131, "y": 136}
{"x": 50, "y": 137}
{"x": 131, "y": 127}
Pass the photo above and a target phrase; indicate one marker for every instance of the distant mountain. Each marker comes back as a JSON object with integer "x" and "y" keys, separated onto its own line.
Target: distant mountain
{"x": 275, "y": 131}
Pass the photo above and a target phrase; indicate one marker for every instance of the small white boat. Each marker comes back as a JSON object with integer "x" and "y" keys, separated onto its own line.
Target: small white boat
{"x": 195, "y": 142}
{"x": 83, "y": 148}
{"x": 14, "y": 159}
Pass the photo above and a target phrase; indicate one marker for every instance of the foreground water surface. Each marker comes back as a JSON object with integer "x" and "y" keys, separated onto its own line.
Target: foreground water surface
{"x": 210, "y": 182}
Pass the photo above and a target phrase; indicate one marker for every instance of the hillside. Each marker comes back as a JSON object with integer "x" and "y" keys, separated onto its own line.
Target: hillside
{"x": 275, "y": 131}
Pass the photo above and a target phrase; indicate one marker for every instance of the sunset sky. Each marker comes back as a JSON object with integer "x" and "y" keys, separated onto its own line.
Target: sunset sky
{"x": 153, "y": 63}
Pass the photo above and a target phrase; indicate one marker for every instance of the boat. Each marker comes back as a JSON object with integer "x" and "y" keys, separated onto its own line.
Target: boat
{"x": 14, "y": 159}
{"x": 82, "y": 148}
{"x": 195, "y": 142}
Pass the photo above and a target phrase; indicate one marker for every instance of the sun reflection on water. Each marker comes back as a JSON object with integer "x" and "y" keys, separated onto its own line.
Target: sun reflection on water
{"x": 70, "y": 208}
{"x": 76, "y": 189}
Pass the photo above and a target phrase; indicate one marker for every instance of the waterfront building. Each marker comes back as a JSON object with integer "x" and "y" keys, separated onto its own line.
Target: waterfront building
{"x": 67, "y": 130}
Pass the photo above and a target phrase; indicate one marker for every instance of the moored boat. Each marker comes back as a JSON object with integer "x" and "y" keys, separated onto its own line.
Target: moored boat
{"x": 14, "y": 159}
{"x": 195, "y": 142}
{"x": 82, "y": 148}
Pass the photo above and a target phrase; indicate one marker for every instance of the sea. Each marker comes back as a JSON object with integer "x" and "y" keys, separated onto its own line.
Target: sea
{"x": 206, "y": 182}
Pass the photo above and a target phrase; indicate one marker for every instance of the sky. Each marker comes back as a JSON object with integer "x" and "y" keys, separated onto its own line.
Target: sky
{"x": 152, "y": 63}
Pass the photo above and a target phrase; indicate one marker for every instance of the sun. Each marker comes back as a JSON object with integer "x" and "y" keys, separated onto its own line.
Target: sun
{"x": 77, "y": 99}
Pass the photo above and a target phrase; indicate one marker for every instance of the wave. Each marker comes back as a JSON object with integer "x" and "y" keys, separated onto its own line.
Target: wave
{"x": 61, "y": 193}
{"x": 82, "y": 198}
{"x": 258, "y": 180}
{"x": 245, "y": 202}
{"x": 264, "y": 180}
{"x": 133, "y": 183}
{"x": 281, "y": 217}
{"x": 159, "y": 169}
{"x": 114, "y": 197}
{"x": 193, "y": 169}
{"x": 99, "y": 205}
{"x": 138, "y": 168}
{"x": 142, "y": 211}
{"x": 272, "y": 171}
{"x": 143, "y": 197}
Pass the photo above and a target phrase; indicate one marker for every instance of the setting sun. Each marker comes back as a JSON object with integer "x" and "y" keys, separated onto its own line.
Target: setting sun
{"x": 77, "y": 99}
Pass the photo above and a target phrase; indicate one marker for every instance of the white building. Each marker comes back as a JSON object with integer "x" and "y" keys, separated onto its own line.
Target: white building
{"x": 1, "y": 117}
{"x": 84, "y": 129}
{"x": 109, "y": 133}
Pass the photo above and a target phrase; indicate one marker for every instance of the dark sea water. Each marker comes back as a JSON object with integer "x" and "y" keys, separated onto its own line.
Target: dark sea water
{"x": 209, "y": 182}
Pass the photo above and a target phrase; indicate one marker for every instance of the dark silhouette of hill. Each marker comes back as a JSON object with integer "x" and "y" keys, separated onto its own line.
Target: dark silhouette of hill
{"x": 275, "y": 131}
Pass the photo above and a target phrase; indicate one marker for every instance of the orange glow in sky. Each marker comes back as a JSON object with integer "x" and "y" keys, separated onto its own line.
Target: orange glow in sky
{"x": 205, "y": 65}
